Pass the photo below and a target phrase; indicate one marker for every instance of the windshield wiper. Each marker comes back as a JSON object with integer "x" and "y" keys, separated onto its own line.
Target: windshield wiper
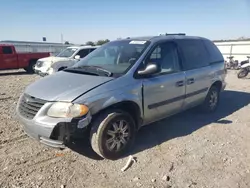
{"x": 92, "y": 69}
{"x": 96, "y": 68}
{"x": 108, "y": 73}
{"x": 80, "y": 71}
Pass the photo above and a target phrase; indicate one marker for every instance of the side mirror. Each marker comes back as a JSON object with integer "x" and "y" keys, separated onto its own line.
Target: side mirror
{"x": 152, "y": 68}
{"x": 77, "y": 57}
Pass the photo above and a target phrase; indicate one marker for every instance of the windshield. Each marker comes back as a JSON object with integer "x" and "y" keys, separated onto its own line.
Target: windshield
{"x": 116, "y": 57}
{"x": 68, "y": 52}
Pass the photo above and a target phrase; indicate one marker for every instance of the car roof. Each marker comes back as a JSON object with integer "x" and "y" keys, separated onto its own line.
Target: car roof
{"x": 165, "y": 37}
{"x": 84, "y": 47}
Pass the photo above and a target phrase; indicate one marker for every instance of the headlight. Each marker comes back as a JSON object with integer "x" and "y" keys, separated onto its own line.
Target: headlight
{"x": 39, "y": 63}
{"x": 67, "y": 110}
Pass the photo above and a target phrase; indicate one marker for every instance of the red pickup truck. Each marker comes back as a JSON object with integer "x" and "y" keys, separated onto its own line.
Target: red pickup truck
{"x": 9, "y": 59}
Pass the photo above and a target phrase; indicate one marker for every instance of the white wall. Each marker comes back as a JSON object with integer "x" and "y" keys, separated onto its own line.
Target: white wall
{"x": 238, "y": 49}
{"x": 32, "y": 47}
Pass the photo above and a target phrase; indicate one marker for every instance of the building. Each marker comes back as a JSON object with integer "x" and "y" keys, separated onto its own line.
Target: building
{"x": 240, "y": 49}
{"x": 26, "y": 46}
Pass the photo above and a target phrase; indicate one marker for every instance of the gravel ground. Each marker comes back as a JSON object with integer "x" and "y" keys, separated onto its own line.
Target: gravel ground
{"x": 187, "y": 150}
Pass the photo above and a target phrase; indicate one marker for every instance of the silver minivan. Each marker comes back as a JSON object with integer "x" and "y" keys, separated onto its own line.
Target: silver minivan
{"x": 120, "y": 87}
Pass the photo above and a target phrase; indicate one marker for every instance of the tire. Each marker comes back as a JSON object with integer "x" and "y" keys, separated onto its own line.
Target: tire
{"x": 109, "y": 121}
{"x": 31, "y": 68}
{"x": 242, "y": 73}
{"x": 212, "y": 100}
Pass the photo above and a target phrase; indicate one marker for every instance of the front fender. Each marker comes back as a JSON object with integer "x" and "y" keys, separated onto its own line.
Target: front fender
{"x": 96, "y": 103}
{"x": 59, "y": 64}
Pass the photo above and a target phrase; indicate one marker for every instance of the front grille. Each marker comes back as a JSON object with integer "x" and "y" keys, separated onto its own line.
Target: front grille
{"x": 29, "y": 106}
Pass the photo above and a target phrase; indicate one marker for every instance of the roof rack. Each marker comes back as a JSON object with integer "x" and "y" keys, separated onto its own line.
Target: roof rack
{"x": 176, "y": 34}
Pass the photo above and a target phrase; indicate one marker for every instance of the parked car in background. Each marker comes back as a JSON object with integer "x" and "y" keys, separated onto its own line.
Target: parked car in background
{"x": 120, "y": 87}
{"x": 64, "y": 59}
{"x": 10, "y": 59}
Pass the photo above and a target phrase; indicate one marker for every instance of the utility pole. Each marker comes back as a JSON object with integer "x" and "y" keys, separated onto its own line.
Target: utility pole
{"x": 61, "y": 38}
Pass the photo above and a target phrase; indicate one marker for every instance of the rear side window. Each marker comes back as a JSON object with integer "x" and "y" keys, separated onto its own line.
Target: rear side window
{"x": 194, "y": 53}
{"x": 214, "y": 53}
{"x": 83, "y": 53}
{"x": 91, "y": 49}
{"x": 7, "y": 50}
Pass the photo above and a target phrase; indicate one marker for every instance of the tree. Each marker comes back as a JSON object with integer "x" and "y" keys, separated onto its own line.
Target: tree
{"x": 90, "y": 43}
{"x": 101, "y": 42}
{"x": 107, "y": 40}
{"x": 66, "y": 42}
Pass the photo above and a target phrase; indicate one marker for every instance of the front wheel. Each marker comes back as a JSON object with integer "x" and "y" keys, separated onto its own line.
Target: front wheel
{"x": 112, "y": 134}
{"x": 242, "y": 73}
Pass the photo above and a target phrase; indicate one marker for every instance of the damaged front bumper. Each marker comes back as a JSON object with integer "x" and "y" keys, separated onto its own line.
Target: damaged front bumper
{"x": 58, "y": 133}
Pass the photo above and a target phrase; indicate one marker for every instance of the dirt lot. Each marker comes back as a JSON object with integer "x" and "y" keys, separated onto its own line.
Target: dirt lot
{"x": 187, "y": 150}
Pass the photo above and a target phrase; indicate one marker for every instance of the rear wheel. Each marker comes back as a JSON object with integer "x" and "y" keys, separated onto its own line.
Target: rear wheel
{"x": 212, "y": 100}
{"x": 242, "y": 73}
{"x": 112, "y": 134}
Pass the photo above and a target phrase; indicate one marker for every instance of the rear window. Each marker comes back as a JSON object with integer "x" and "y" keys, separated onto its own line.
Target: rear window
{"x": 214, "y": 53}
{"x": 82, "y": 53}
{"x": 194, "y": 53}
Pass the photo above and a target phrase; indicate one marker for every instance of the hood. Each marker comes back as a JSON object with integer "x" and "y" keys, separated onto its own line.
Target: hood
{"x": 54, "y": 59}
{"x": 64, "y": 86}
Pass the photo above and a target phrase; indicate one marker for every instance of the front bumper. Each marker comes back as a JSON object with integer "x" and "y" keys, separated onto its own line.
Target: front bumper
{"x": 54, "y": 133}
{"x": 40, "y": 73}
{"x": 43, "y": 71}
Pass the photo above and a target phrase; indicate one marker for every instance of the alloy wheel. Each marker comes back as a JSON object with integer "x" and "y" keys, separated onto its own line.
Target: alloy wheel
{"x": 117, "y": 135}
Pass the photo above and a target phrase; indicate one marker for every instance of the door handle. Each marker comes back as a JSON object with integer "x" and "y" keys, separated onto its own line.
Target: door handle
{"x": 190, "y": 81}
{"x": 180, "y": 83}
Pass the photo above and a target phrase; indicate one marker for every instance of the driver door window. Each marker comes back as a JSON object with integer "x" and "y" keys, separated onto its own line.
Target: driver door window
{"x": 166, "y": 56}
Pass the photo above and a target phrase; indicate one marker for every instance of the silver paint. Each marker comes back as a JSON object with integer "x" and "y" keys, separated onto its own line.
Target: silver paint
{"x": 99, "y": 93}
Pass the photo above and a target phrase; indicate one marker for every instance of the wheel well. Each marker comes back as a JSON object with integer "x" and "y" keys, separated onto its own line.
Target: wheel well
{"x": 130, "y": 107}
{"x": 218, "y": 84}
{"x": 30, "y": 65}
{"x": 33, "y": 60}
{"x": 61, "y": 68}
